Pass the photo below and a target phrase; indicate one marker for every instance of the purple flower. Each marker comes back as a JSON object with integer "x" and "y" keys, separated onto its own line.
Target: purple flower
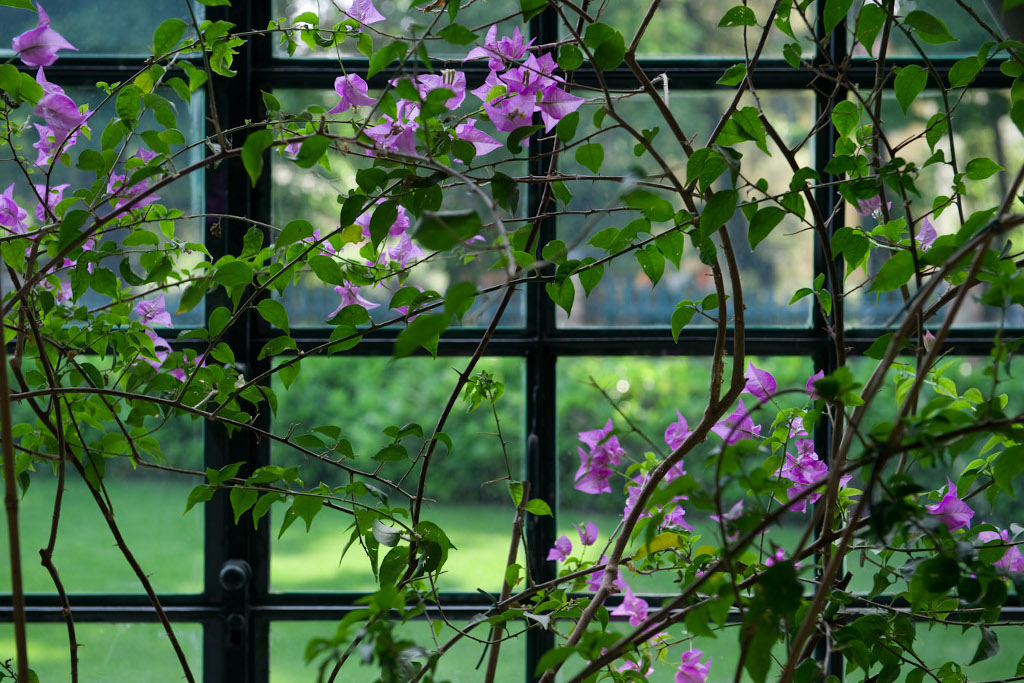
{"x": 1012, "y": 560}
{"x": 928, "y": 341}
{"x": 796, "y": 427}
{"x": 593, "y": 474}
{"x": 871, "y": 207}
{"x": 481, "y": 141}
{"x": 733, "y": 514}
{"x": 676, "y": 433}
{"x": 121, "y": 193}
{"x": 154, "y": 312}
{"x": 820, "y": 374}
{"x": 676, "y": 516}
{"x": 51, "y": 199}
{"x": 778, "y": 556}
{"x": 563, "y": 546}
{"x": 596, "y": 467}
{"x": 633, "y": 607}
{"x": 47, "y": 144}
{"x": 350, "y": 296}
{"x": 737, "y": 426}
{"x": 760, "y": 383}
{"x": 12, "y": 216}
{"x": 63, "y": 292}
{"x": 58, "y": 110}
{"x": 926, "y": 235}
{"x": 594, "y": 578}
{"x": 352, "y": 91}
{"x": 364, "y": 12}
{"x": 397, "y": 228}
{"x": 497, "y": 51}
{"x": 951, "y": 510}
{"x": 449, "y": 79}
{"x": 635, "y": 666}
{"x": 587, "y": 532}
{"x": 404, "y": 251}
{"x": 38, "y": 46}
{"x": 397, "y": 134}
{"x": 161, "y": 349}
{"x": 691, "y": 670}
{"x": 556, "y": 104}
{"x": 511, "y": 111}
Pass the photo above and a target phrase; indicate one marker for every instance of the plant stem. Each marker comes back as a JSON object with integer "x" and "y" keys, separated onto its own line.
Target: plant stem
{"x": 11, "y": 508}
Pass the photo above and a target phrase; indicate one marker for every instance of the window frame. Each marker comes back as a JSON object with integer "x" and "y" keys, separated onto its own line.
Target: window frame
{"x": 237, "y": 614}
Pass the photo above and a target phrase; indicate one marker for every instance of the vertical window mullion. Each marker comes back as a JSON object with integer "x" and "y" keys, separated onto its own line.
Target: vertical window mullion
{"x": 237, "y": 572}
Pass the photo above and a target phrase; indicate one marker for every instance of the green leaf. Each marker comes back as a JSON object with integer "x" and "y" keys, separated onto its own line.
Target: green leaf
{"x": 167, "y": 36}
{"x": 845, "y": 117}
{"x": 531, "y": 8}
{"x": 652, "y": 262}
{"x": 423, "y": 331}
{"x": 128, "y": 104}
{"x": 440, "y": 231}
{"x": 909, "y": 82}
{"x": 1008, "y": 467}
{"x": 516, "y": 137}
{"x": 536, "y": 506}
{"x": 327, "y": 269}
{"x": 981, "y": 168}
{"x": 590, "y": 156}
{"x": 988, "y": 647}
{"x": 566, "y": 128}
{"x": 964, "y": 71}
{"x": 671, "y": 244}
{"x": 252, "y": 153}
{"x": 307, "y": 507}
{"x": 569, "y": 57}
{"x": 233, "y": 273}
{"x": 762, "y": 224}
{"x": 293, "y": 232}
{"x": 18, "y": 4}
{"x": 216, "y": 3}
{"x": 457, "y": 34}
{"x": 654, "y": 207}
{"x": 717, "y": 212}
{"x": 894, "y": 273}
{"x": 739, "y": 15}
{"x": 505, "y": 191}
{"x": 680, "y": 318}
{"x": 241, "y": 500}
{"x": 929, "y": 28}
{"x": 274, "y": 313}
{"x": 835, "y": 11}
{"x": 71, "y": 226}
{"x": 310, "y": 153}
{"x": 199, "y": 494}
{"x": 276, "y": 346}
{"x": 734, "y": 75}
{"x": 385, "y": 55}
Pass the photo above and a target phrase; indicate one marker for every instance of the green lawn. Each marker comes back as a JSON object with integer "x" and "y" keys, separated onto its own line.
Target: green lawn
{"x": 169, "y": 547}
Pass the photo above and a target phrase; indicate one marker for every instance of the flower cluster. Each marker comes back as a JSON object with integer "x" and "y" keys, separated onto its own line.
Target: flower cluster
{"x": 595, "y": 468}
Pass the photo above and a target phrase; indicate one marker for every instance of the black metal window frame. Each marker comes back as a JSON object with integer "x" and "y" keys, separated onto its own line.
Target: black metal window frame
{"x": 237, "y": 607}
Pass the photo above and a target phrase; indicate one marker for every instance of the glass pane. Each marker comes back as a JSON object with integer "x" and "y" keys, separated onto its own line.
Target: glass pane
{"x": 186, "y": 195}
{"x": 689, "y": 28}
{"x": 981, "y": 128}
{"x": 780, "y": 265}
{"x": 120, "y": 27}
{"x": 649, "y": 392}
{"x": 167, "y": 545}
{"x": 970, "y": 35}
{"x": 401, "y": 20}
{"x": 937, "y": 644}
{"x": 109, "y": 652}
{"x": 461, "y": 663}
{"x": 363, "y": 396}
{"x": 312, "y": 195}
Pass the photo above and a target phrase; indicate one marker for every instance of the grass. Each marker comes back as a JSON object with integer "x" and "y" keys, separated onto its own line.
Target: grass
{"x": 169, "y": 547}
